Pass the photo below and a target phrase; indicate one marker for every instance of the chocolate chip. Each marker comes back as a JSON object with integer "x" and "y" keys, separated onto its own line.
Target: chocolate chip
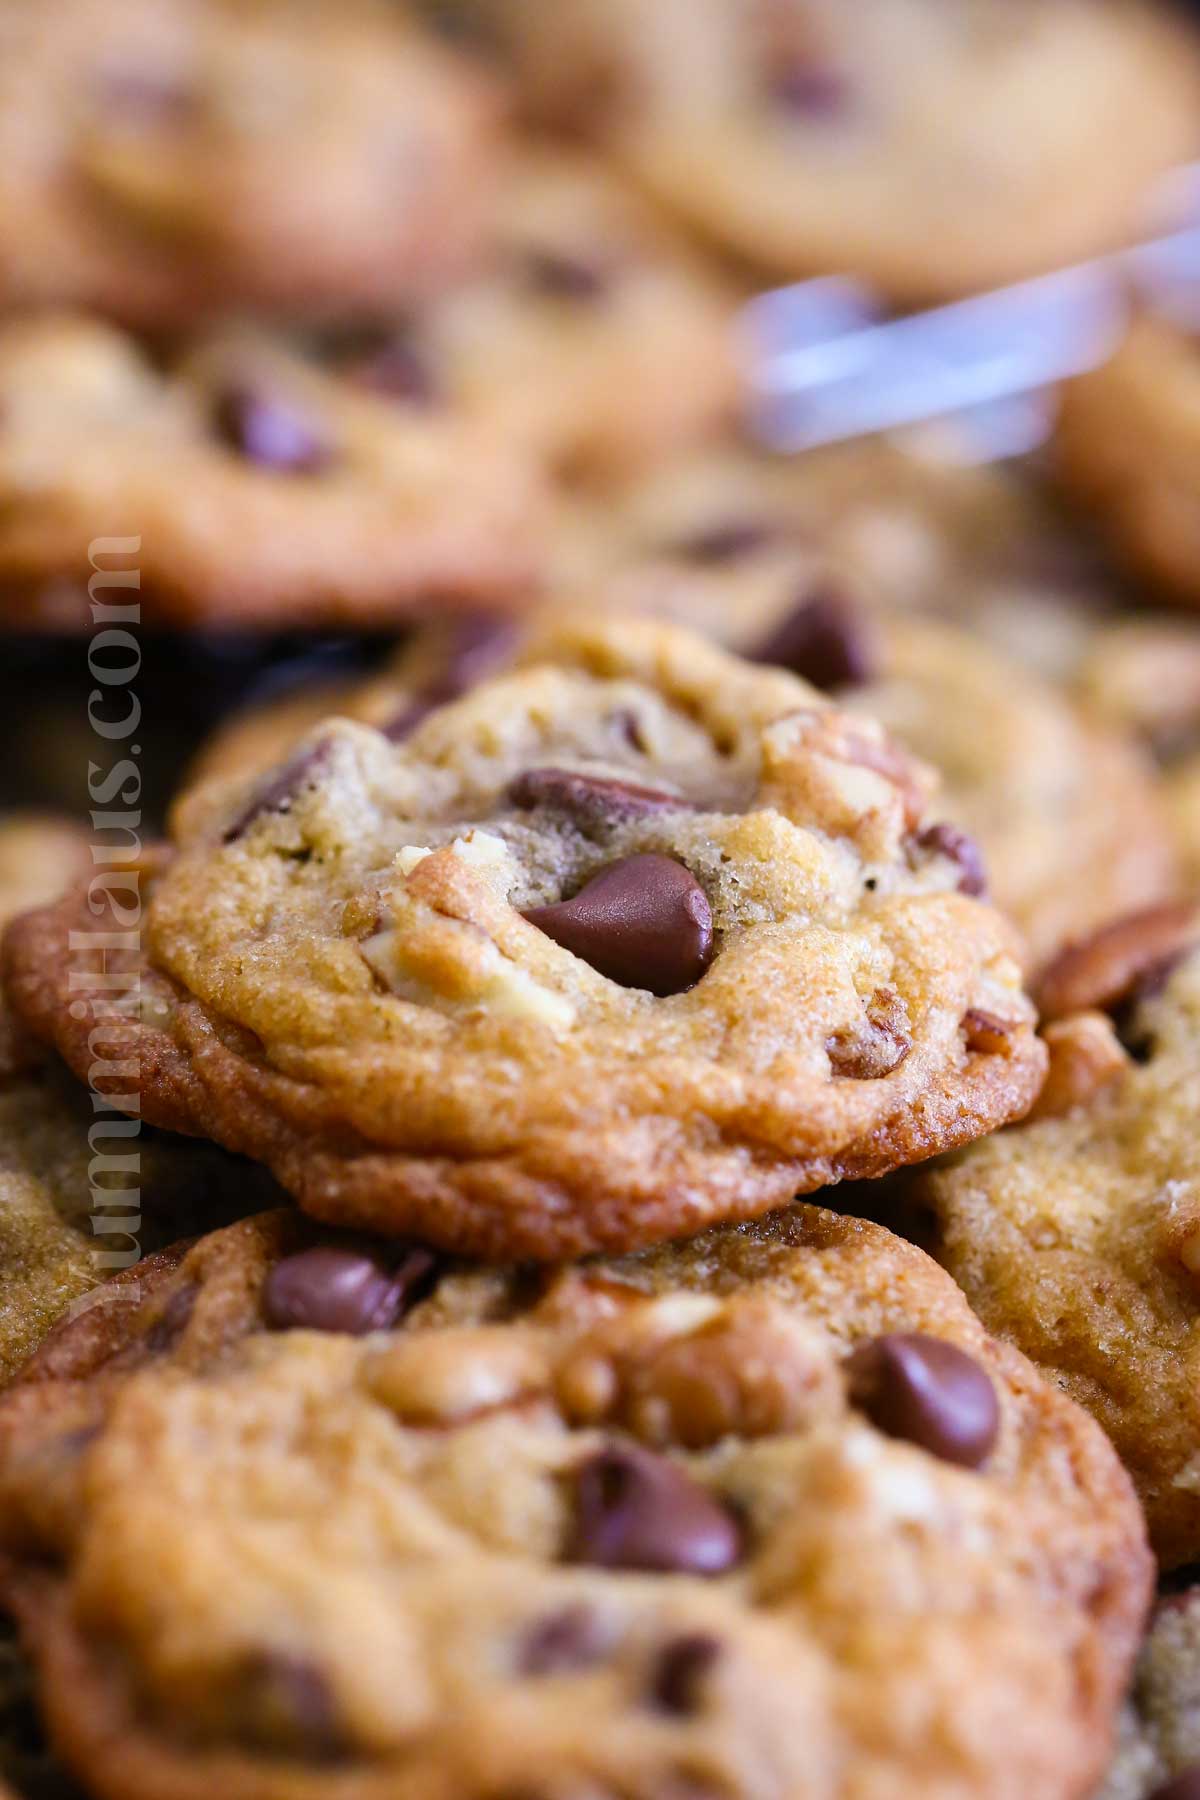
{"x": 637, "y": 1510}
{"x": 727, "y": 542}
{"x": 809, "y": 88}
{"x": 592, "y": 800}
{"x": 173, "y": 1321}
{"x": 396, "y": 370}
{"x": 269, "y": 431}
{"x": 282, "y": 789}
{"x": 566, "y": 1640}
{"x": 681, "y": 1671}
{"x": 629, "y": 728}
{"x": 644, "y": 922}
{"x": 477, "y": 646}
{"x": 403, "y": 723}
{"x": 141, "y": 96}
{"x": 286, "y": 1700}
{"x": 565, "y": 276}
{"x": 947, "y": 840}
{"x": 1184, "y": 1786}
{"x": 825, "y": 639}
{"x": 330, "y": 1289}
{"x": 928, "y": 1392}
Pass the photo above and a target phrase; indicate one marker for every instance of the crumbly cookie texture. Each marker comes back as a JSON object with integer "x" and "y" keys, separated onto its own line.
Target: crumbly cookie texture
{"x": 1159, "y": 1742}
{"x": 263, "y": 489}
{"x": 589, "y": 334}
{"x": 760, "y": 1513}
{"x": 1128, "y": 447}
{"x": 807, "y": 136}
{"x": 1077, "y": 1235}
{"x": 164, "y": 159}
{"x": 631, "y": 939}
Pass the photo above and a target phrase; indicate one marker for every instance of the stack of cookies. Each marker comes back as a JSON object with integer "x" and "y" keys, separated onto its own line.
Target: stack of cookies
{"x": 600, "y": 1186}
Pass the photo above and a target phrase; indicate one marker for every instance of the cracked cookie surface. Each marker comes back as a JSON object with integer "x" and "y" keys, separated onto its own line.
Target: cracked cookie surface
{"x": 627, "y": 940}
{"x": 1077, "y": 1235}
{"x": 758, "y": 1513}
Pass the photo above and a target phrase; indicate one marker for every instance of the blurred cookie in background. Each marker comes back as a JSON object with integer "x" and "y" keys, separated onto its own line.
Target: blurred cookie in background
{"x": 930, "y": 149}
{"x": 1159, "y": 1743}
{"x": 167, "y": 159}
{"x": 257, "y": 488}
{"x": 1128, "y": 449}
{"x": 589, "y": 335}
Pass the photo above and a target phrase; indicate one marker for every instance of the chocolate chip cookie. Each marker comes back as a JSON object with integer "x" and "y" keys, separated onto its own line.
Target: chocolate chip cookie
{"x": 590, "y": 335}
{"x": 1128, "y": 448}
{"x": 253, "y": 487}
{"x": 1158, "y": 1754}
{"x": 163, "y": 159}
{"x": 1077, "y": 1235}
{"x": 931, "y": 149}
{"x": 757, "y": 1514}
{"x": 630, "y": 939}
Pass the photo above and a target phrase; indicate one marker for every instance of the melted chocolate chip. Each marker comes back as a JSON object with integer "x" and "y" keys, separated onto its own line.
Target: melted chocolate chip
{"x": 948, "y": 841}
{"x": 727, "y": 542}
{"x": 1184, "y": 1786}
{"x": 592, "y": 800}
{"x": 173, "y": 1321}
{"x": 644, "y": 922}
{"x": 808, "y": 88}
{"x": 637, "y": 1510}
{"x": 269, "y": 431}
{"x": 330, "y": 1289}
{"x": 565, "y": 276}
{"x": 825, "y": 639}
{"x": 681, "y": 1672}
{"x": 566, "y": 1640}
{"x": 279, "y": 793}
{"x": 140, "y": 96}
{"x": 928, "y": 1392}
